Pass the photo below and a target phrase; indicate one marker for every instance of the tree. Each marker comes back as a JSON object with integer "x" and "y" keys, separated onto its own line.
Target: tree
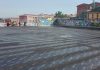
{"x": 97, "y": 9}
{"x": 83, "y": 15}
{"x": 59, "y": 14}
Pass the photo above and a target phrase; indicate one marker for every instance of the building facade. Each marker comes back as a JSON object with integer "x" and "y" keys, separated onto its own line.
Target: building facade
{"x": 82, "y": 8}
{"x": 85, "y": 7}
{"x": 94, "y": 15}
{"x": 34, "y": 19}
{"x": 12, "y": 21}
{"x": 26, "y": 18}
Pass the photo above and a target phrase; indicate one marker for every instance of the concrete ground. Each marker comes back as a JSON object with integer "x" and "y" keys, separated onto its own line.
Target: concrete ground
{"x": 49, "y": 48}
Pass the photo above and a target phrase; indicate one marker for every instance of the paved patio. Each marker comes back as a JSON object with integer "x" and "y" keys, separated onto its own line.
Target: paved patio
{"x": 49, "y": 48}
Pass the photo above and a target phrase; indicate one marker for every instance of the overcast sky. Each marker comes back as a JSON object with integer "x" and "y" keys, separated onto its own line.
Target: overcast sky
{"x": 10, "y": 8}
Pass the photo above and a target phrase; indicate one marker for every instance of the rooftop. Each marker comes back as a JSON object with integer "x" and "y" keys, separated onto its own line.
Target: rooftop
{"x": 87, "y": 4}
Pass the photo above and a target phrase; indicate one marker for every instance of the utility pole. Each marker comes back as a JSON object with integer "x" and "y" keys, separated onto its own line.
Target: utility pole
{"x": 93, "y": 4}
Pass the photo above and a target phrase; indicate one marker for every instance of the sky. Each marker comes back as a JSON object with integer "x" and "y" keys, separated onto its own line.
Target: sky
{"x": 12, "y": 8}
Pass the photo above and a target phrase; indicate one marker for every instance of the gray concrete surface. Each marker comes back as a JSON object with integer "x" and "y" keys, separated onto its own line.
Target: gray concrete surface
{"x": 49, "y": 48}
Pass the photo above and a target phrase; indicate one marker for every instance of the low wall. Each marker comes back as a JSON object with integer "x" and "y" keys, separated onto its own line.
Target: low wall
{"x": 83, "y": 24}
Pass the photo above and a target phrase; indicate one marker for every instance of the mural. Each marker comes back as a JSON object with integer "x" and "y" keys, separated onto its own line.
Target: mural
{"x": 45, "y": 21}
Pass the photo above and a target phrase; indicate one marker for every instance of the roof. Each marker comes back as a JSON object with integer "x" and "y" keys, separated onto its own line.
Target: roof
{"x": 82, "y": 4}
{"x": 97, "y": 3}
{"x": 27, "y": 15}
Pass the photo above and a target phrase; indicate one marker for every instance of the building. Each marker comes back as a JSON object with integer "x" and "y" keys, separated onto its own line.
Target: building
{"x": 12, "y": 21}
{"x": 85, "y": 8}
{"x": 15, "y": 20}
{"x": 26, "y": 18}
{"x": 94, "y": 15}
{"x": 82, "y": 8}
{"x": 29, "y": 19}
{"x": 34, "y": 19}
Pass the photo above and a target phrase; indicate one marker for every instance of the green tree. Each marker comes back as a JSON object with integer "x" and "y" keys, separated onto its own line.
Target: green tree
{"x": 83, "y": 15}
{"x": 59, "y": 14}
{"x": 97, "y": 9}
